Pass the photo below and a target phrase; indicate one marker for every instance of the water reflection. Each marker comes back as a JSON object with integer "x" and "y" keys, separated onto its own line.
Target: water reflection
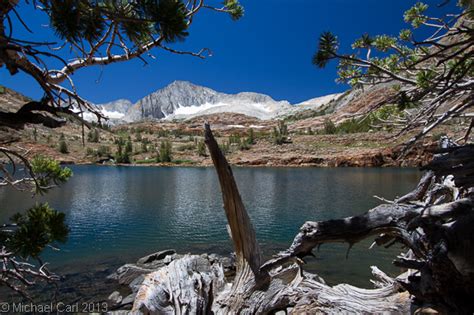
{"x": 121, "y": 213}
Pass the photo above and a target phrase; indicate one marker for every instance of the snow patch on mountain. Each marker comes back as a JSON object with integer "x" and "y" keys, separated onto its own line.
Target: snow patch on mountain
{"x": 262, "y": 111}
{"x": 114, "y": 111}
{"x": 193, "y": 110}
{"x": 317, "y": 102}
{"x": 113, "y": 116}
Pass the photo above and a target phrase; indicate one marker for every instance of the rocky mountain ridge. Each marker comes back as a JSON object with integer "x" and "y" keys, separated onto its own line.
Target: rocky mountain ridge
{"x": 184, "y": 100}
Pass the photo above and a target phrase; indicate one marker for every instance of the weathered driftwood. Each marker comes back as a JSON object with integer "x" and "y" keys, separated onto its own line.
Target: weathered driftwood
{"x": 439, "y": 260}
{"x": 455, "y": 161}
{"x": 420, "y": 190}
{"x": 185, "y": 286}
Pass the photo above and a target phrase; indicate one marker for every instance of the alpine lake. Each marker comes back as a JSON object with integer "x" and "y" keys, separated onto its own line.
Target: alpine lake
{"x": 119, "y": 214}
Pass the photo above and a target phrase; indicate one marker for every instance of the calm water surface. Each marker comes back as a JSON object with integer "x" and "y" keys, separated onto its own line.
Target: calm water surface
{"x": 117, "y": 214}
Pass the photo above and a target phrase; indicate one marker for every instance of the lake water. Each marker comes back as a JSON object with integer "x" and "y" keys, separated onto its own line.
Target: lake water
{"x": 118, "y": 214}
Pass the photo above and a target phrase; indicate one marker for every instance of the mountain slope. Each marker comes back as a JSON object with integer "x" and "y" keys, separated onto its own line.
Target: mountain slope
{"x": 183, "y": 99}
{"x": 118, "y": 106}
{"x": 114, "y": 111}
{"x": 317, "y": 102}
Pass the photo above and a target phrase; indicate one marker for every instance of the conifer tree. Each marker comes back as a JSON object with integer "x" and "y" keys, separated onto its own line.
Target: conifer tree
{"x": 201, "y": 148}
{"x": 165, "y": 154}
{"x": 144, "y": 146}
{"x": 35, "y": 135}
{"x": 129, "y": 147}
{"x": 251, "y": 137}
{"x": 62, "y": 147}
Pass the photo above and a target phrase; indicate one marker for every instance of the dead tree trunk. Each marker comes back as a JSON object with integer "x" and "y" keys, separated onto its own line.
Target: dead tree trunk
{"x": 434, "y": 223}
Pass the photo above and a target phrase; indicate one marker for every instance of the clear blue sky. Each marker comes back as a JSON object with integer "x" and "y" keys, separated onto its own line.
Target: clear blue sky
{"x": 268, "y": 51}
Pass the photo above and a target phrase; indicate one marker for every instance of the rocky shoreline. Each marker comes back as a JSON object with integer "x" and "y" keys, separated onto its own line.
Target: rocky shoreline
{"x": 388, "y": 157}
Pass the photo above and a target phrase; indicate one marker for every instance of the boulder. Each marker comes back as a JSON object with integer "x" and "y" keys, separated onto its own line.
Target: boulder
{"x": 155, "y": 256}
{"x": 129, "y": 272}
{"x": 129, "y": 299}
{"x": 115, "y": 298}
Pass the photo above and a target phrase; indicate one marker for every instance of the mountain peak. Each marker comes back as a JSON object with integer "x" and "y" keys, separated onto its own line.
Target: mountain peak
{"x": 180, "y": 85}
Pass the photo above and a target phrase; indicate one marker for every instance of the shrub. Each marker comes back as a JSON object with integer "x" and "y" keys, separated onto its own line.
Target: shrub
{"x": 93, "y": 136}
{"x": 62, "y": 147}
{"x": 186, "y": 147}
{"x": 280, "y": 133}
{"x": 225, "y": 147}
{"x": 375, "y": 120}
{"x": 103, "y": 150}
{"x": 177, "y": 133}
{"x": 282, "y": 128}
{"x": 329, "y": 127}
{"x": 144, "y": 147}
{"x": 120, "y": 156}
{"x": 129, "y": 147}
{"x": 251, "y": 137}
{"x": 234, "y": 138}
{"x": 276, "y": 136}
{"x": 138, "y": 136}
{"x": 201, "y": 148}
{"x": 244, "y": 146}
{"x": 162, "y": 133}
{"x": 125, "y": 158}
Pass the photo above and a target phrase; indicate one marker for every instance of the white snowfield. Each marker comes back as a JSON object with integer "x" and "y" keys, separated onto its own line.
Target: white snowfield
{"x": 263, "y": 111}
{"x": 111, "y": 115}
{"x": 314, "y": 103}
